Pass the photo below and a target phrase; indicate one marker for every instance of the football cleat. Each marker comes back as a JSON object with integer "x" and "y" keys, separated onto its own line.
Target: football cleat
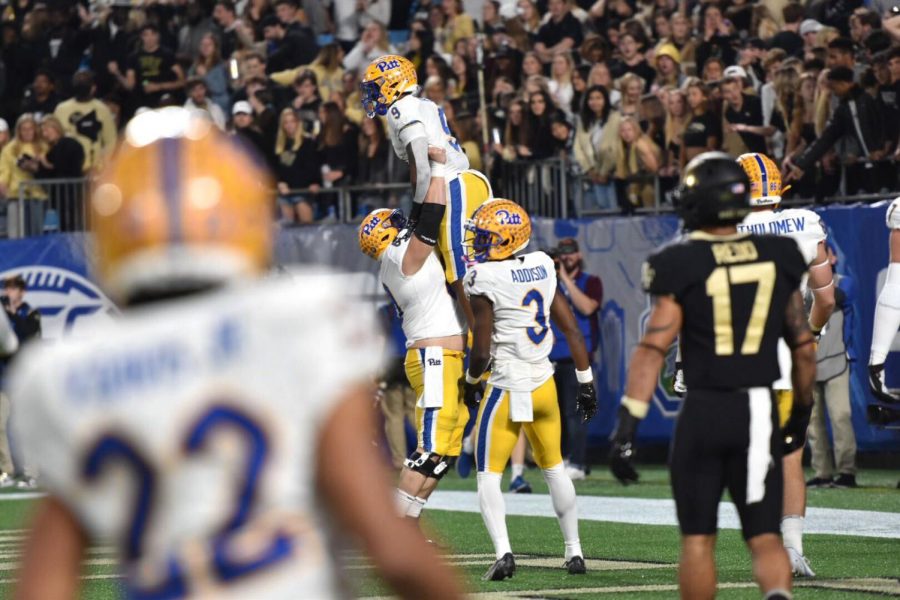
{"x": 386, "y": 79}
{"x": 799, "y": 565}
{"x": 499, "y": 228}
{"x": 519, "y": 486}
{"x": 882, "y": 416}
{"x": 575, "y": 566}
{"x": 765, "y": 178}
{"x": 575, "y": 473}
{"x": 503, "y": 568}
{"x": 845, "y": 480}
{"x": 878, "y": 387}
{"x": 6, "y": 481}
{"x": 819, "y": 482}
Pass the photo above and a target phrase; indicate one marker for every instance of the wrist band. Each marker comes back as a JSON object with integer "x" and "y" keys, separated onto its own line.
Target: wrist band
{"x": 472, "y": 380}
{"x": 586, "y": 376}
{"x": 437, "y": 169}
{"x": 636, "y": 408}
{"x": 816, "y": 330}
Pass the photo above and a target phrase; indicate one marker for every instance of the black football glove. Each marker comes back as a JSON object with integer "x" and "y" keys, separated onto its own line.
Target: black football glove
{"x": 471, "y": 393}
{"x": 586, "y": 401}
{"x": 794, "y": 431}
{"x": 623, "y": 449}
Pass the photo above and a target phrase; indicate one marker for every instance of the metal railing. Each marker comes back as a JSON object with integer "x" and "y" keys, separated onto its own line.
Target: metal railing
{"x": 47, "y": 206}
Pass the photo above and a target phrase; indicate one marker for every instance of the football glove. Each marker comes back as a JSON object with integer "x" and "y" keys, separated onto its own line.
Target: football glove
{"x": 794, "y": 430}
{"x": 623, "y": 450}
{"x": 471, "y": 393}
{"x": 586, "y": 401}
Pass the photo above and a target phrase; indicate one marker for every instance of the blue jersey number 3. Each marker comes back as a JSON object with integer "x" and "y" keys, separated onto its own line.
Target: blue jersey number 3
{"x": 536, "y": 334}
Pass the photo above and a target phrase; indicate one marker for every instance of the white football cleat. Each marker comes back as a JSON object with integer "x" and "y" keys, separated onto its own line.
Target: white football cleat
{"x": 799, "y": 565}
{"x": 575, "y": 474}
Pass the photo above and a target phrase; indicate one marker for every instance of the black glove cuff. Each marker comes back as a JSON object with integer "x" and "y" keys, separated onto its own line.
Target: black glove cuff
{"x": 627, "y": 427}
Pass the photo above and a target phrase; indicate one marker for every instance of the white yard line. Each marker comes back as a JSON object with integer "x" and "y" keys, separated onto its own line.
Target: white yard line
{"x": 642, "y": 511}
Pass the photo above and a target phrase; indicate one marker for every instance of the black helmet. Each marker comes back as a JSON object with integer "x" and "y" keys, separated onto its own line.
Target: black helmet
{"x": 714, "y": 190}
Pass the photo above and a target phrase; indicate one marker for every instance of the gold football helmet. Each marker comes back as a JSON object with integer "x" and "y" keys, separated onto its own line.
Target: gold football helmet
{"x": 179, "y": 206}
{"x": 499, "y": 228}
{"x": 765, "y": 178}
{"x": 386, "y": 79}
{"x": 379, "y": 230}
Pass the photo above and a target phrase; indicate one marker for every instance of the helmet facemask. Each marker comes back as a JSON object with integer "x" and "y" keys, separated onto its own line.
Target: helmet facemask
{"x": 373, "y": 101}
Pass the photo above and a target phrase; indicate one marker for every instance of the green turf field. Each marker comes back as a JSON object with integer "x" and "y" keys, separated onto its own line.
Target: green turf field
{"x": 625, "y": 560}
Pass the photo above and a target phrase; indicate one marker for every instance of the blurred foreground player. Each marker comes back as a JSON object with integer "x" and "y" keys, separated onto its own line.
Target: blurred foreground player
{"x": 215, "y": 429}
{"x": 514, "y": 298}
{"x": 731, "y": 296}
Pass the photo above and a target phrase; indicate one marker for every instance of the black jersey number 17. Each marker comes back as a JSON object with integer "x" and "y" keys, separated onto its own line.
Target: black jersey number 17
{"x": 718, "y": 287}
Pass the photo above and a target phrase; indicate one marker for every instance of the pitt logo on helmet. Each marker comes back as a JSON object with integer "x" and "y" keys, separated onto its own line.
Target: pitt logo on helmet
{"x": 386, "y": 79}
{"x": 379, "y": 230}
{"x": 499, "y": 228}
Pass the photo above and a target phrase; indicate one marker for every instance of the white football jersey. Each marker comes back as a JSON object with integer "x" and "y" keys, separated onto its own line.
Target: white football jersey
{"x": 408, "y": 110}
{"x": 804, "y": 227}
{"x": 187, "y": 433}
{"x": 423, "y": 299}
{"x": 521, "y": 290}
{"x": 800, "y": 224}
{"x": 892, "y": 218}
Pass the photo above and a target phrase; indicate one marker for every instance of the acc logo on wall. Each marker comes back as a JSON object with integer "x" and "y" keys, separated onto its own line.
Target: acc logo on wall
{"x": 664, "y": 396}
{"x": 67, "y": 301}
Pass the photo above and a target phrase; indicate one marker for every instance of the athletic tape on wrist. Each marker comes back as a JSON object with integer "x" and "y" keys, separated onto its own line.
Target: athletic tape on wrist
{"x": 437, "y": 169}
{"x": 586, "y": 376}
{"x": 472, "y": 380}
{"x": 635, "y": 407}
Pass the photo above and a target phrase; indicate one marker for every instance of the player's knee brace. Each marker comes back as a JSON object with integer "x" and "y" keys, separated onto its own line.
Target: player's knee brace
{"x": 428, "y": 464}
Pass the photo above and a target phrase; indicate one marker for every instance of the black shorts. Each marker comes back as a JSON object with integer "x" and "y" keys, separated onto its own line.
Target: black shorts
{"x": 709, "y": 453}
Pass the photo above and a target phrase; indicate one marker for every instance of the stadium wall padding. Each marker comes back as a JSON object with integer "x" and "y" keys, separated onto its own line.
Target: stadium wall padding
{"x": 613, "y": 249}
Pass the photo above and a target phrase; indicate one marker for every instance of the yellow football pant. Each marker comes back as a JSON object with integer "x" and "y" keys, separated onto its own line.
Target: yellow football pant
{"x": 497, "y": 434}
{"x": 465, "y": 193}
{"x": 440, "y": 430}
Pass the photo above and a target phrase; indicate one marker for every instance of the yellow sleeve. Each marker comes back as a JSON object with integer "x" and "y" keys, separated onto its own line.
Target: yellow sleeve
{"x": 288, "y": 76}
{"x": 108, "y": 133}
{"x": 63, "y": 112}
{"x": 7, "y": 161}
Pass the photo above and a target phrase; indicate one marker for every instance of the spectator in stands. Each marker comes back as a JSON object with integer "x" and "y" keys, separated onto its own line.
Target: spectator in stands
{"x": 247, "y": 131}
{"x": 668, "y": 67}
{"x": 254, "y": 13}
{"x": 351, "y": 17}
{"x": 597, "y": 146}
{"x": 678, "y": 116}
{"x": 372, "y": 162}
{"x": 713, "y": 71}
{"x": 862, "y": 23}
{"x": 421, "y": 47}
{"x": 789, "y": 38}
{"x": 528, "y": 19}
{"x": 682, "y": 39}
{"x": 639, "y": 161}
{"x": 337, "y": 149}
{"x": 327, "y": 67}
{"x": 40, "y": 99}
{"x": 562, "y": 32}
{"x": 214, "y": 71}
{"x": 457, "y": 26}
{"x": 531, "y": 65}
{"x": 4, "y": 133}
{"x": 287, "y": 47}
{"x": 515, "y": 136}
{"x": 717, "y": 37}
{"x": 631, "y": 87}
{"x": 600, "y": 75}
{"x": 579, "y": 87}
{"x": 809, "y": 31}
{"x": 834, "y": 353}
{"x": 704, "y": 131}
{"x": 465, "y": 83}
{"x": 743, "y": 116}
{"x": 464, "y": 128}
{"x": 298, "y": 167}
{"x": 561, "y": 73}
{"x": 63, "y": 157}
{"x": 153, "y": 71}
{"x": 197, "y": 23}
{"x": 88, "y": 120}
{"x": 372, "y": 43}
{"x": 198, "y": 100}
{"x": 858, "y": 115}
{"x": 235, "y": 34}
{"x": 539, "y": 137}
{"x": 584, "y": 293}
{"x": 631, "y": 48}
{"x": 25, "y": 146}
{"x": 307, "y": 100}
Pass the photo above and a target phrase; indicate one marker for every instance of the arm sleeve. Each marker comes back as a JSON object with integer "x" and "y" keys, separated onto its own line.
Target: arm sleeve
{"x": 478, "y": 283}
{"x": 834, "y": 129}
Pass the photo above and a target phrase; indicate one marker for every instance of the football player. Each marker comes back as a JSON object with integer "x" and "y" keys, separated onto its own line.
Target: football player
{"x": 389, "y": 88}
{"x": 216, "y": 428}
{"x": 512, "y": 297}
{"x": 806, "y": 229}
{"x": 9, "y": 343}
{"x": 435, "y": 338}
{"x": 887, "y": 312}
{"x": 732, "y": 296}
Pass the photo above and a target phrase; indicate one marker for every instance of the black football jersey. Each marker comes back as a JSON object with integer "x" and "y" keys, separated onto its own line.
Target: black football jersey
{"x": 733, "y": 291}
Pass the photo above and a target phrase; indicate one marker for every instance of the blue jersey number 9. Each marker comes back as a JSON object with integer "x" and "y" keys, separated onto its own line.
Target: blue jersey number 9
{"x": 536, "y": 334}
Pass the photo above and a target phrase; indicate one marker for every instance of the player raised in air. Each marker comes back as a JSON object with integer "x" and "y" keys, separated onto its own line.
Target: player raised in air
{"x": 435, "y": 333}
{"x": 390, "y": 89}
{"x": 220, "y": 429}
{"x": 887, "y": 312}
{"x": 731, "y": 296}
{"x": 513, "y": 297}
{"x": 806, "y": 229}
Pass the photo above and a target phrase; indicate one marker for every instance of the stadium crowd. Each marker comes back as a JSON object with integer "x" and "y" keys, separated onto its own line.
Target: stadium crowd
{"x": 626, "y": 90}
